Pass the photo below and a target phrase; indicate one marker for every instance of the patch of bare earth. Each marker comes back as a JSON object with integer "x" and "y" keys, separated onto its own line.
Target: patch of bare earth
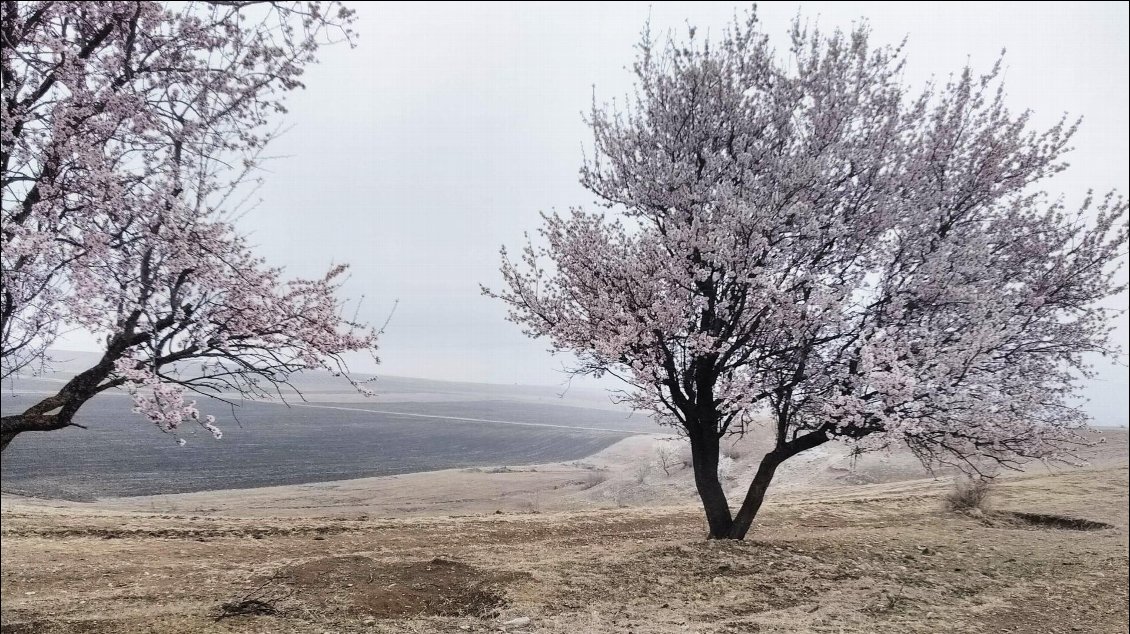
{"x": 362, "y": 586}
{"x": 872, "y": 558}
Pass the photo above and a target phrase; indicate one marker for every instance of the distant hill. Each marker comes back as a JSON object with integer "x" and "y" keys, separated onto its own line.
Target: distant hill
{"x": 320, "y": 386}
{"x": 330, "y": 432}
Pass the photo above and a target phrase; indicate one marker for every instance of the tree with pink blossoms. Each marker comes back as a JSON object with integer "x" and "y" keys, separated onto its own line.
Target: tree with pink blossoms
{"x": 131, "y": 131}
{"x": 798, "y": 241}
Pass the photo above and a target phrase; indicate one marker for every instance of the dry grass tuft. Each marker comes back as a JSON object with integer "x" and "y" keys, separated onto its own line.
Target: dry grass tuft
{"x": 970, "y": 494}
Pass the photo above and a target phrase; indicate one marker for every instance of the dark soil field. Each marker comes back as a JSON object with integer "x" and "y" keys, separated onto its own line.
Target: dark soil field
{"x": 267, "y": 444}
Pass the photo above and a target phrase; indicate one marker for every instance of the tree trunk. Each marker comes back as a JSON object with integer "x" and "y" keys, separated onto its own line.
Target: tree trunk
{"x": 704, "y": 452}
{"x": 58, "y": 411}
{"x": 12, "y": 426}
{"x": 765, "y": 471}
{"x": 755, "y": 496}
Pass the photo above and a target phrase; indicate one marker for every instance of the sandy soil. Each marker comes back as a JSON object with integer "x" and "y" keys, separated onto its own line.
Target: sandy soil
{"x": 581, "y": 547}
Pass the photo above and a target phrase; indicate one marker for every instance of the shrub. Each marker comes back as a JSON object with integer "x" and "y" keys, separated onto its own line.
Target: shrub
{"x": 686, "y": 457}
{"x": 593, "y": 478}
{"x": 666, "y": 456}
{"x": 968, "y": 494}
{"x": 727, "y": 468}
{"x": 641, "y": 471}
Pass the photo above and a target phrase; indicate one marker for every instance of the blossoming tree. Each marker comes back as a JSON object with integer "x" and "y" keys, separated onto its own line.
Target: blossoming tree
{"x": 799, "y": 241}
{"x": 129, "y": 131}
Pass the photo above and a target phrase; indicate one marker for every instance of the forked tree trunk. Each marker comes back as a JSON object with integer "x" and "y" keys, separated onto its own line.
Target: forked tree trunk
{"x": 765, "y": 471}
{"x": 722, "y": 524}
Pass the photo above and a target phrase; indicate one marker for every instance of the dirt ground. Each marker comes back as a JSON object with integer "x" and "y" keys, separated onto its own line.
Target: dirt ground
{"x": 881, "y": 557}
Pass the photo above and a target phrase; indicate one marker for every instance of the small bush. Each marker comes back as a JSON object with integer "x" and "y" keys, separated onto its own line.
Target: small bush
{"x": 618, "y": 491}
{"x": 968, "y": 495}
{"x": 593, "y": 478}
{"x": 666, "y": 456}
{"x": 727, "y": 469}
{"x": 641, "y": 471}
{"x": 533, "y": 505}
{"x": 731, "y": 452}
{"x": 686, "y": 457}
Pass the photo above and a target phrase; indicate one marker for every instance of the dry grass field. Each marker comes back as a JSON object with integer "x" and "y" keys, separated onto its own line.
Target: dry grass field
{"x": 883, "y": 557}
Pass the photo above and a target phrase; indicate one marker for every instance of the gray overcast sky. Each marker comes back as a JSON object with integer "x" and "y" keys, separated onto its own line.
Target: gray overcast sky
{"x": 449, "y": 127}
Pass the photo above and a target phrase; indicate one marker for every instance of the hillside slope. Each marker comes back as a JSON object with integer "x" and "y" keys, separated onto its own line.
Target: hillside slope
{"x": 879, "y": 557}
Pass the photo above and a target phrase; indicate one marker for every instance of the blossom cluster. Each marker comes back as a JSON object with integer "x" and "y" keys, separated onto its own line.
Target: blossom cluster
{"x": 130, "y": 132}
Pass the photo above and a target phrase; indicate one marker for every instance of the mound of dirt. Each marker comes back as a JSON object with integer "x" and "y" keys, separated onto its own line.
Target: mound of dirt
{"x": 362, "y": 586}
